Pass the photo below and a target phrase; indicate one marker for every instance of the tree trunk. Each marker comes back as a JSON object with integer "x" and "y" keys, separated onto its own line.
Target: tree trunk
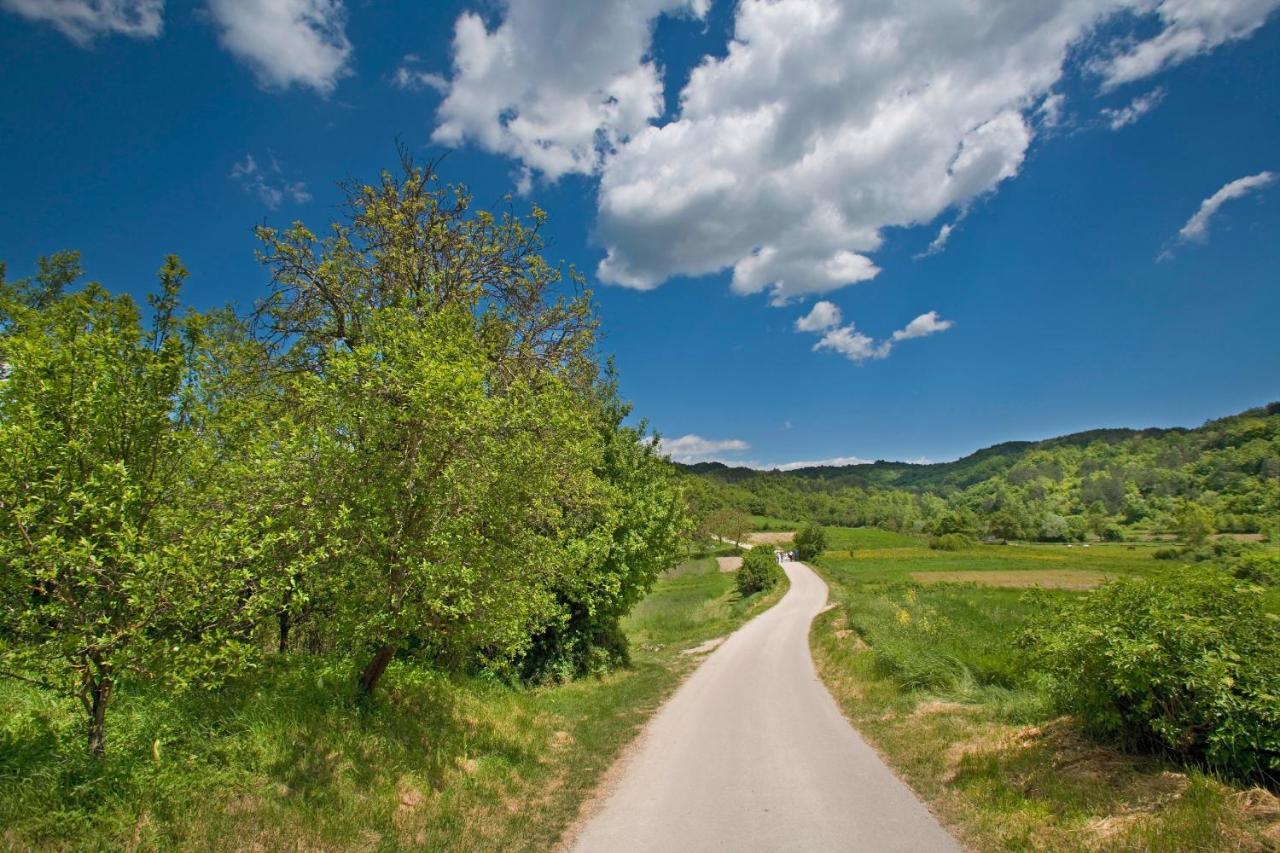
{"x": 284, "y": 631}
{"x": 369, "y": 677}
{"x": 101, "y": 693}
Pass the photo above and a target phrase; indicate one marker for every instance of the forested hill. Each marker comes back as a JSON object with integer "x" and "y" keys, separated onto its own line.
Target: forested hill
{"x": 1230, "y": 465}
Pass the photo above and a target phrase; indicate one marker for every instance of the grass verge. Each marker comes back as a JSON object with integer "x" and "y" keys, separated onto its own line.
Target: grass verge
{"x": 283, "y": 760}
{"x": 932, "y": 677}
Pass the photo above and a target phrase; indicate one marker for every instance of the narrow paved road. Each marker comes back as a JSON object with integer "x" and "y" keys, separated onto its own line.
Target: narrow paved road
{"x": 752, "y": 754}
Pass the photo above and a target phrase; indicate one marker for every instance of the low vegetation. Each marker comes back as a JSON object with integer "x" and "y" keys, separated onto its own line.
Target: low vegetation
{"x": 1057, "y": 719}
{"x": 759, "y": 571}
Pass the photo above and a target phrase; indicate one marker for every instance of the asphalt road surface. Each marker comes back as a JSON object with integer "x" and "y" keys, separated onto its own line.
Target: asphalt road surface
{"x": 752, "y": 754}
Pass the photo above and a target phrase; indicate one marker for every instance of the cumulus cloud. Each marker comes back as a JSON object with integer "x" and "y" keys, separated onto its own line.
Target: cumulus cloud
{"x": 84, "y": 20}
{"x": 1187, "y": 28}
{"x": 1197, "y": 227}
{"x": 922, "y": 327}
{"x": 515, "y": 91}
{"x": 269, "y": 184}
{"x": 822, "y": 316}
{"x": 1134, "y": 110}
{"x": 286, "y": 42}
{"x": 822, "y": 124}
{"x": 857, "y": 346}
{"x": 691, "y": 448}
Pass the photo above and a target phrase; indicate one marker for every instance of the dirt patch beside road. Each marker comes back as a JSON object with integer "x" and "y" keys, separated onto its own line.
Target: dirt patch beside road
{"x": 729, "y": 564}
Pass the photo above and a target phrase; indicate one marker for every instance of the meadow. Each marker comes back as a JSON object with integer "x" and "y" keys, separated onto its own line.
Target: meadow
{"x": 278, "y": 759}
{"x": 924, "y": 654}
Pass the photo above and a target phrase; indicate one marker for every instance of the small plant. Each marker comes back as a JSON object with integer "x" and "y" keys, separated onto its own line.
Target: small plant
{"x": 759, "y": 571}
{"x": 1187, "y": 664}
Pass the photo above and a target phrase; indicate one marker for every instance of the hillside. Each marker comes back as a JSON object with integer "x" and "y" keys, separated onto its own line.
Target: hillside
{"x": 1230, "y": 466}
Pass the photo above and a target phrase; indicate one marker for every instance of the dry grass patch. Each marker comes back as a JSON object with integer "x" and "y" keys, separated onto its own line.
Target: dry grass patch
{"x": 771, "y": 537}
{"x": 729, "y": 564}
{"x": 1074, "y": 579}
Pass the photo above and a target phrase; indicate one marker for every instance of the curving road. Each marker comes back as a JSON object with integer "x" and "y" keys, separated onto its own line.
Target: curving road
{"x": 752, "y": 754}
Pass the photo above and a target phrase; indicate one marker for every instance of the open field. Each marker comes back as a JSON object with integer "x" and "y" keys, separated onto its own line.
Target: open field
{"x": 1028, "y": 579}
{"x": 932, "y": 674}
{"x": 283, "y": 760}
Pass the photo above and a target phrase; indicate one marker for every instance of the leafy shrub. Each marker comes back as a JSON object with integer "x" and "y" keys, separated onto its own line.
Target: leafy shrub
{"x": 951, "y": 542}
{"x": 1262, "y": 567}
{"x": 1113, "y": 533}
{"x": 1187, "y": 663}
{"x": 1167, "y": 553}
{"x": 810, "y": 541}
{"x": 759, "y": 571}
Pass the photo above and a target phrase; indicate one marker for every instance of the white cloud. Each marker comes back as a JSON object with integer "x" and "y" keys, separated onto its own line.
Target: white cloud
{"x": 921, "y": 327}
{"x": 939, "y": 242}
{"x": 853, "y": 345}
{"x": 1197, "y": 227}
{"x": 822, "y": 316}
{"x": 84, "y": 20}
{"x": 822, "y": 124}
{"x": 268, "y": 184}
{"x": 555, "y": 86}
{"x": 833, "y": 462}
{"x": 409, "y": 76}
{"x": 691, "y": 448}
{"x": 858, "y": 347}
{"x": 1051, "y": 110}
{"x": 1134, "y": 110}
{"x": 286, "y": 42}
{"x": 1187, "y": 29}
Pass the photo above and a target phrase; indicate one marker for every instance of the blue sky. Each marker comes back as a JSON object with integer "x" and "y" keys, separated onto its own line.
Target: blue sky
{"x": 1102, "y": 171}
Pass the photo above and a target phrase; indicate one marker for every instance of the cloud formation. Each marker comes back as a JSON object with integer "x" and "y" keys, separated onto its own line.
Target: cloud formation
{"x": 286, "y": 42}
{"x": 857, "y": 346}
{"x": 409, "y": 75}
{"x": 1134, "y": 110}
{"x": 1197, "y": 227}
{"x": 822, "y": 316}
{"x": 690, "y": 449}
{"x": 556, "y": 86}
{"x": 824, "y": 123}
{"x": 833, "y": 462}
{"x": 269, "y": 184}
{"x": 82, "y": 21}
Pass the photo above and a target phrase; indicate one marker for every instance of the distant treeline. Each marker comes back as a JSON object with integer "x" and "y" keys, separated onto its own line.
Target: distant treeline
{"x": 406, "y": 448}
{"x": 1223, "y": 476}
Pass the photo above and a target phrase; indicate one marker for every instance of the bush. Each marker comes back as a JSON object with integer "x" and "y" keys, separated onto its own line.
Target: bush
{"x": 810, "y": 542}
{"x": 1261, "y": 567}
{"x": 1187, "y": 663}
{"x": 1113, "y": 533}
{"x": 759, "y": 571}
{"x": 951, "y": 542}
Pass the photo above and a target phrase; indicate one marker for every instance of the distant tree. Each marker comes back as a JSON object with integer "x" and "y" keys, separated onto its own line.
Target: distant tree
{"x": 1193, "y": 523}
{"x": 1054, "y": 528}
{"x": 729, "y": 524}
{"x": 810, "y": 541}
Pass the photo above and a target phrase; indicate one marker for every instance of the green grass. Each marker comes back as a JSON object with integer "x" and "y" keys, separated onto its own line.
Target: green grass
{"x": 283, "y": 759}
{"x": 857, "y": 538}
{"x": 933, "y": 675}
{"x": 768, "y": 522}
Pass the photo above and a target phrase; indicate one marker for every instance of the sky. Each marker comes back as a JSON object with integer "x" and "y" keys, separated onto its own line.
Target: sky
{"x": 818, "y": 231}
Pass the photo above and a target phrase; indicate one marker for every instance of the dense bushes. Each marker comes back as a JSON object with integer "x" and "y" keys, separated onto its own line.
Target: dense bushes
{"x": 407, "y": 450}
{"x": 810, "y": 541}
{"x": 951, "y": 542}
{"x": 1186, "y": 663}
{"x": 759, "y": 571}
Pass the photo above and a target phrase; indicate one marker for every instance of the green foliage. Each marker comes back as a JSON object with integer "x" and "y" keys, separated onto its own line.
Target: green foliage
{"x": 759, "y": 571}
{"x": 1187, "y": 663}
{"x": 810, "y": 541}
{"x": 408, "y": 450}
{"x": 951, "y": 542}
{"x": 122, "y": 560}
